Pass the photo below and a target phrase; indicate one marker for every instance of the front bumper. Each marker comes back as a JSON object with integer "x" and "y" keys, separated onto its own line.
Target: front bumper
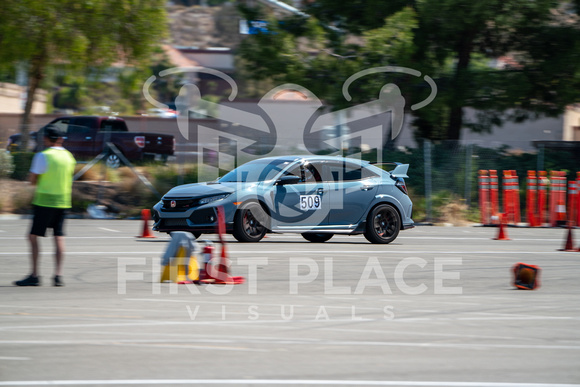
{"x": 198, "y": 219}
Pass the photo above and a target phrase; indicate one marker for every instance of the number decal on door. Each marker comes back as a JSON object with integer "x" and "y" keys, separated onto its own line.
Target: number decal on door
{"x": 310, "y": 202}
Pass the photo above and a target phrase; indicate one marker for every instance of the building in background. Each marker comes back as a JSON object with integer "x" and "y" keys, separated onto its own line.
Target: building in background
{"x": 13, "y": 97}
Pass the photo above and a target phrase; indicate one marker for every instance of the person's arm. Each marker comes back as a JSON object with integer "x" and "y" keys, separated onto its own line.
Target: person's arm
{"x": 32, "y": 178}
{"x": 37, "y": 167}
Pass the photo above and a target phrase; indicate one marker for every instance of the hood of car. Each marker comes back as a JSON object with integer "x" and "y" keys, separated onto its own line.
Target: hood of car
{"x": 204, "y": 189}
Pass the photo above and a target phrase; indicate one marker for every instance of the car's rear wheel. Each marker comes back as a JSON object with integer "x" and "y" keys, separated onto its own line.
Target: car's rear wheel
{"x": 249, "y": 223}
{"x": 317, "y": 237}
{"x": 383, "y": 224}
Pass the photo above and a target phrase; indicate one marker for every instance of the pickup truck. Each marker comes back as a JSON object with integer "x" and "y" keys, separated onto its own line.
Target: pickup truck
{"x": 87, "y": 136}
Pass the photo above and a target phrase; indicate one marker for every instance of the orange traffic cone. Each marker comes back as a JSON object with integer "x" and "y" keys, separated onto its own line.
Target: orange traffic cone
{"x": 207, "y": 254}
{"x": 569, "y": 244}
{"x": 502, "y": 234}
{"x": 526, "y": 277}
{"x": 145, "y": 216}
{"x": 220, "y": 274}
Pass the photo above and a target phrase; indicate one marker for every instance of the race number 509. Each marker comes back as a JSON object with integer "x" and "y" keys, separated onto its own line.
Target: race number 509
{"x": 309, "y": 202}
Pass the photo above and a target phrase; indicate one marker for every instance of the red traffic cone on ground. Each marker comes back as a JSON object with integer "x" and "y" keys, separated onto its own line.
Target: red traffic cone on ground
{"x": 502, "y": 234}
{"x": 207, "y": 255}
{"x": 526, "y": 277}
{"x": 145, "y": 216}
{"x": 569, "y": 244}
{"x": 220, "y": 274}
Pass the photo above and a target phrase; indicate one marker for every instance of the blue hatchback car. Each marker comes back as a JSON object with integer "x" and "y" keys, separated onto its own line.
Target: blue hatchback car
{"x": 316, "y": 196}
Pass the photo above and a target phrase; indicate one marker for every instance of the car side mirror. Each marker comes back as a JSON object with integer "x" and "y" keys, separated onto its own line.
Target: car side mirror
{"x": 288, "y": 179}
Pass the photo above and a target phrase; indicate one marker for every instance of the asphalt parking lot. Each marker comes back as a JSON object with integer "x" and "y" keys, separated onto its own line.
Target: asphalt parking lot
{"x": 434, "y": 308}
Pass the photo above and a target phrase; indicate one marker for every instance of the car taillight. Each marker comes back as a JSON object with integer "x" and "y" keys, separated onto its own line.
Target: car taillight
{"x": 400, "y": 184}
{"x": 140, "y": 141}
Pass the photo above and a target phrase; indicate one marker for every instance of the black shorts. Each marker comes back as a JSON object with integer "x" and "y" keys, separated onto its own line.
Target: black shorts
{"x": 47, "y": 217}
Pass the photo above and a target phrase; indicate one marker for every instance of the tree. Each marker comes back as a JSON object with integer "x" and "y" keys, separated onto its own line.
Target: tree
{"x": 453, "y": 41}
{"x": 76, "y": 34}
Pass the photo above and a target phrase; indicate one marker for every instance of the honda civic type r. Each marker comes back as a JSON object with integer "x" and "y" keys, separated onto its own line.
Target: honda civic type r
{"x": 316, "y": 196}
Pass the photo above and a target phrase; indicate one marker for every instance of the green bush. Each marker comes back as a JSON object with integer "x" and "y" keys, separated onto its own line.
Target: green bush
{"x": 22, "y": 161}
{"x": 167, "y": 177}
{"x": 6, "y": 164}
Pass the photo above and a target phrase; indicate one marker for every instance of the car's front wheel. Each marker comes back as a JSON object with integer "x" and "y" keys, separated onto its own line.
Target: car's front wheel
{"x": 249, "y": 223}
{"x": 113, "y": 161}
{"x": 316, "y": 237}
{"x": 383, "y": 224}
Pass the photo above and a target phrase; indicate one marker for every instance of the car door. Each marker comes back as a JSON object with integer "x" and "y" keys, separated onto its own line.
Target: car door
{"x": 304, "y": 205}
{"x": 106, "y": 132}
{"x": 74, "y": 138}
{"x": 82, "y": 135}
{"x": 352, "y": 188}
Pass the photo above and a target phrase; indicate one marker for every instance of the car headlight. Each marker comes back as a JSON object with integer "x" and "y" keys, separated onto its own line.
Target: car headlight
{"x": 155, "y": 215}
{"x": 211, "y": 199}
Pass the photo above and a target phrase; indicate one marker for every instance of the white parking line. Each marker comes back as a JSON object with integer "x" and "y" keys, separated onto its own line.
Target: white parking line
{"x": 79, "y": 237}
{"x": 108, "y": 229}
{"x": 14, "y": 358}
{"x": 308, "y": 342}
{"x": 480, "y": 239}
{"x": 274, "y": 382}
{"x": 164, "y": 237}
{"x": 324, "y": 252}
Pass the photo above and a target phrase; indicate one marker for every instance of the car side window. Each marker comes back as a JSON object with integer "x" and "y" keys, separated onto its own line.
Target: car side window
{"x": 308, "y": 172}
{"x": 112, "y": 126}
{"x": 346, "y": 171}
{"x": 62, "y": 124}
{"x": 87, "y": 122}
{"x": 366, "y": 173}
{"x": 335, "y": 172}
{"x": 295, "y": 171}
{"x": 76, "y": 129}
{"x": 312, "y": 173}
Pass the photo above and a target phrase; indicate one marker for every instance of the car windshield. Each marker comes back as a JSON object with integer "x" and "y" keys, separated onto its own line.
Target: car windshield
{"x": 254, "y": 171}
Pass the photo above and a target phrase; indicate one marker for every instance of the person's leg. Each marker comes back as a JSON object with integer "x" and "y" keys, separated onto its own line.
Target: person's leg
{"x": 58, "y": 226}
{"x": 34, "y": 252}
{"x": 39, "y": 224}
{"x": 33, "y": 278}
{"x": 58, "y": 254}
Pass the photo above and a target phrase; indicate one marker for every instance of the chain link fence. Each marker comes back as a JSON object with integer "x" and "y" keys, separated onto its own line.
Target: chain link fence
{"x": 445, "y": 172}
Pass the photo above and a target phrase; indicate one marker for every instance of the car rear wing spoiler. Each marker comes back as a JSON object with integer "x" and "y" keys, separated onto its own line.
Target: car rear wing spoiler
{"x": 399, "y": 171}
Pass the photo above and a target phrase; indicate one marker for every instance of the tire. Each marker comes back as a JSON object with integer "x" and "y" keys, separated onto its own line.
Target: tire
{"x": 113, "y": 161}
{"x": 249, "y": 223}
{"x": 316, "y": 237}
{"x": 383, "y": 224}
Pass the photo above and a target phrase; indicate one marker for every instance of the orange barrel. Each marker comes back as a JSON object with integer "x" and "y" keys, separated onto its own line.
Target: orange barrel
{"x": 483, "y": 197}
{"x": 531, "y": 194}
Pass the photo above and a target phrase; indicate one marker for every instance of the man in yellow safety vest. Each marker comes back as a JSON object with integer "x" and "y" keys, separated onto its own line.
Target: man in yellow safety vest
{"x": 52, "y": 173}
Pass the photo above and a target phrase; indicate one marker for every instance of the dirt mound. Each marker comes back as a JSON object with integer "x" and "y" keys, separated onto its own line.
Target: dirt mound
{"x": 16, "y": 197}
{"x": 117, "y": 200}
{"x": 454, "y": 213}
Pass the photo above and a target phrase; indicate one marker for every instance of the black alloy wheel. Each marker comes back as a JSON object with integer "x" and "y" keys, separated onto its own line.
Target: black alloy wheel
{"x": 383, "y": 224}
{"x": 249, "y": 223}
